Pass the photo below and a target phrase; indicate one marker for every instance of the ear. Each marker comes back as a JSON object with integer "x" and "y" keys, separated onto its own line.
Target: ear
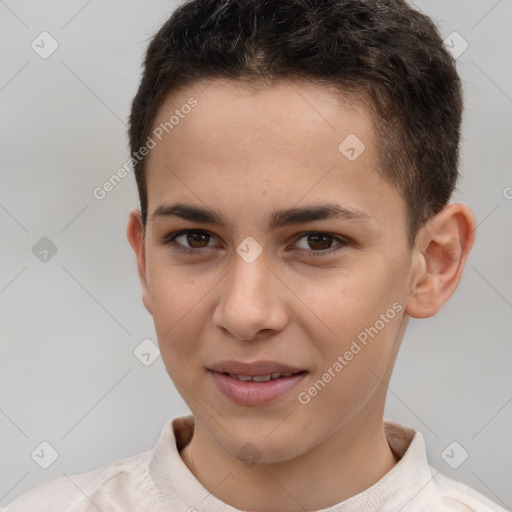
{"x": 135, "y": 234}
{"x": 440, "y": 252}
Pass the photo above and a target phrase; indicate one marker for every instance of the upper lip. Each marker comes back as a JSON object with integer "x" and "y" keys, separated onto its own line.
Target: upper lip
{"x": 253, "y": 369}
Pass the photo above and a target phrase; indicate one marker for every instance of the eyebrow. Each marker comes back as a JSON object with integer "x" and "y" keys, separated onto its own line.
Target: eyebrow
{"x": 278, "y": 218}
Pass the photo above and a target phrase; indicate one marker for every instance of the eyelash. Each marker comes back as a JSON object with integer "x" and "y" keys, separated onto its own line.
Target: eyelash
{"x": 169, "y": 241}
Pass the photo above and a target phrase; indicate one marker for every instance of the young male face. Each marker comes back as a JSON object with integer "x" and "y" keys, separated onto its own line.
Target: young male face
{"x": 247, "y": 155}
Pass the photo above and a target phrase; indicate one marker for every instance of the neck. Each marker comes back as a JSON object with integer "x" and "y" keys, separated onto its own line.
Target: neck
{"x": 346, "y": 463}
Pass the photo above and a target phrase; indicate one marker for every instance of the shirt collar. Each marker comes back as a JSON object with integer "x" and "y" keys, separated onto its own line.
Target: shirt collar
{"x": 394, "y": 491}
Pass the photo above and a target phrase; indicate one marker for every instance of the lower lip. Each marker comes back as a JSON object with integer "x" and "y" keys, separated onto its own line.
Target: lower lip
{"x": 255, "y": 393}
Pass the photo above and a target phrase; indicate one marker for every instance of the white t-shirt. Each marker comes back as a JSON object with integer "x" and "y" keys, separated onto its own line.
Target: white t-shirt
{"x": 159, "y": 481}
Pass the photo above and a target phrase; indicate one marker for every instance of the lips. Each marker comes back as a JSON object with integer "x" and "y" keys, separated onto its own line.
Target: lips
{"x": 254, "y": 369}
{"x": 255, "y": 393}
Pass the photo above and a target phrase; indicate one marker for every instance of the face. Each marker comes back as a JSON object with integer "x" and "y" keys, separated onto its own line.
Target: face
{"x": 303, "y": 260}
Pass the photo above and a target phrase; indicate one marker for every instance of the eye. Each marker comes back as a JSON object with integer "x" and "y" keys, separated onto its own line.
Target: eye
{"x": 195, "y": 238}
{"x": 317, "y": 243}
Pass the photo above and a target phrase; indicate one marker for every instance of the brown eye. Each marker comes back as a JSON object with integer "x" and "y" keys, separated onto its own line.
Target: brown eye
{"x": 189, "y": 240}
{"x": 193, "y": 241}
{"x": 318, "y": 243}
{"x": 197, "y": 240}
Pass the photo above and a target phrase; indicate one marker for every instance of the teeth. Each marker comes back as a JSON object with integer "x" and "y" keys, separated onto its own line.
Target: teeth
{"x": 261, "y": 378}
{"x": 241, "y": 377}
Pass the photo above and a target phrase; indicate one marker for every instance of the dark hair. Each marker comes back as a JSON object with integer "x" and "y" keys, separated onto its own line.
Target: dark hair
{"x": 382, "y": 51}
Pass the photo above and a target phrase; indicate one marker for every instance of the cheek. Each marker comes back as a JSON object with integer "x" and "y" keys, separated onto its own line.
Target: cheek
{"x": 353, "y": 302}
{"x": 356, "y": 358}
{"x": 177, "y": 299}
{"x": 361, "y": 322}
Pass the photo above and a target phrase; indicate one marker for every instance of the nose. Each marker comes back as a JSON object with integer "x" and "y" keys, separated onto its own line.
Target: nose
{"x": 252, "y": 301}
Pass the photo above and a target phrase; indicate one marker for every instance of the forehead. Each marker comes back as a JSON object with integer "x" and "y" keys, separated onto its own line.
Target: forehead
{"x": 291, "y": 126}
{"x": 302, "y": 107}
{"x": 285, "y": 141}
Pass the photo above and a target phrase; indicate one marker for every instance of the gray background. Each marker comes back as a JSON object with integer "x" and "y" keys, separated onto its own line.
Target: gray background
{"x": 68, "y": 327}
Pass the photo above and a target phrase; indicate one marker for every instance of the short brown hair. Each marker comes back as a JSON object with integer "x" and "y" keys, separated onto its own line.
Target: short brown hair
{"x": 382, "y": 50}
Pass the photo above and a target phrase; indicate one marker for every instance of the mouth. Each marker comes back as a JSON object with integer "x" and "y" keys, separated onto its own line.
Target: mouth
{"x": 256, "y": 389}
{"x": 262, "y": 378}
{"x": 260, "y": 371}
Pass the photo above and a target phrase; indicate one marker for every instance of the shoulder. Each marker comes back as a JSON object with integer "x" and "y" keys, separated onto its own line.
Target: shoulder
{"x": 458, "y": 496}
{"x": 119, "y": 483}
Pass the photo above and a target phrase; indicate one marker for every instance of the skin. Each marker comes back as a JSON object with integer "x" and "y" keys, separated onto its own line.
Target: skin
{"x": 244, "y": 153}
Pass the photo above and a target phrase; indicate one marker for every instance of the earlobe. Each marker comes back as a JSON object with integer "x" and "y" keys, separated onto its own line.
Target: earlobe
{"x": 441, "y": 251}
{"x": 135, "y": 236}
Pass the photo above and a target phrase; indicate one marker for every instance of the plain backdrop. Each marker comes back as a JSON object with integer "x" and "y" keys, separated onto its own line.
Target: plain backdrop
{"x": 69, "y": 325}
